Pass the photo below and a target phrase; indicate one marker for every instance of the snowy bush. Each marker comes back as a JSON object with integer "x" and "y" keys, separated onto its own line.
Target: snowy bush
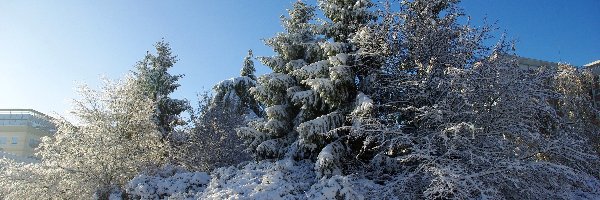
{"x": 283, "y": 179}
{"x": 212, "y": 141}
{"x": 116, "y": 140}
{"x": 167, "y": 183}
{"x": 455, "y": 122}
{"x": 336, "y": 187}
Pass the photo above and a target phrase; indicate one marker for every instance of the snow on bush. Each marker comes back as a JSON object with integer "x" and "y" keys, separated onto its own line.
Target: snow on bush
{"x": 336, "y": 187}
{"x": 170, "y": 182}
{"x": 283, "y": 179}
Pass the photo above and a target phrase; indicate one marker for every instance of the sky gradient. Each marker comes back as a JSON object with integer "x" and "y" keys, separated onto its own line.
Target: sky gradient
{"x": 48, "y": 47}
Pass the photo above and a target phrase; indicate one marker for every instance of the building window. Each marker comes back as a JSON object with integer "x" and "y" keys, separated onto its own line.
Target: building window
{"x": 15, "y": 140}
{"x": 2, "y": 140}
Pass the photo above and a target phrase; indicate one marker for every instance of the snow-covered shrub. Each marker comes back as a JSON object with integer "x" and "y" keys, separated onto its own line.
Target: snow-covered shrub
{"x": 116, "y": 194}
{"x": 336, "y": 187}
{"x": 110, "y": 193}
{"x": 455, "y": 122}
{"x": 212, "y": 141}
{"x": 283, "y": 179}
{"x": 167, "y": 183}
{"x": 116, "y": 140}
{"x": 574, "y": 102}
{"x": 542, "y": 180}
{"x": 34, "y": 181}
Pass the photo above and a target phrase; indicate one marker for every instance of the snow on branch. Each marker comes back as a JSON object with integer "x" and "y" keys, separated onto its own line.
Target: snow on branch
{"x": 315, "y": 70}
{"x": 311, "y": 132}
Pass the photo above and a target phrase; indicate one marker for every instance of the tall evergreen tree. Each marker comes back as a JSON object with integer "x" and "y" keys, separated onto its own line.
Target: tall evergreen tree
{"x": 313, "y": 85}
{"x": 271, "y": 136}
{"x": 152, "y": 75}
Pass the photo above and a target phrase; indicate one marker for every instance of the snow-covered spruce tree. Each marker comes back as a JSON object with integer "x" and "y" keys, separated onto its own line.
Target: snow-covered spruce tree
{"x": 352, "y": 65}
{"x": 152, "y": 75}
{"x": 116, "y": 139}
{"x": 271, "y": 136}
{"x": 313, "y": 86}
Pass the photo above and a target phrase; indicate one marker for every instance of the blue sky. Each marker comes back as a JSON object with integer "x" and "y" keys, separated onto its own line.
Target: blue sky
{"x": 48, "y": 47}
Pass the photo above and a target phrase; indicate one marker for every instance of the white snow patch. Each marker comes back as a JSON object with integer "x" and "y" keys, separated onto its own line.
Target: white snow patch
{"x": 284, "y": 179}
{"x": 172, "y": 183}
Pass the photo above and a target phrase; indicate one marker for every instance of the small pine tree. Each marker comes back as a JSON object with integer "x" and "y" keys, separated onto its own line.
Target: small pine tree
{"x": 152, "y": 75}
{"x": 235, "y": 94}
{"x": 248, "y": 68}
